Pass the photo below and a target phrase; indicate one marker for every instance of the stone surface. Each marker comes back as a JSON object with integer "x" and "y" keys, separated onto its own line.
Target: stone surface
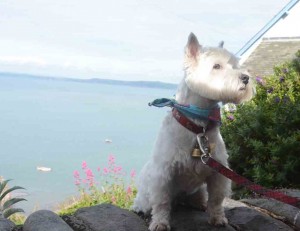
{"x": 287, "y": 212}
{"x": 186, "y": 219}
{"x": 292, "y": 192}
{"x": 107, "y": 217}
{"x": 247, "y": 219}
{"x": 75, "y": 223}
{"x": 229, "y": 203}
{"x": 45, "y": 220}
{"x": 6, "y": 225}
{"x": 239, "y": 215}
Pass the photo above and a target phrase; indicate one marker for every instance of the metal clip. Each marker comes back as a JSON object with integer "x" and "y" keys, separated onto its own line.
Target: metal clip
{"x": 204, "y": 147}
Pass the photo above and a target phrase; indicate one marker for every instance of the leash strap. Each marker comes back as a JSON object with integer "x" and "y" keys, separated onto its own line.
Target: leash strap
{"x": 249, "y": 184}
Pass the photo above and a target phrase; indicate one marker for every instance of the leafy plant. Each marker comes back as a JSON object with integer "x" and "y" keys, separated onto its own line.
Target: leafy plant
{"x": 263, "y": 136}
{"x": 6, "y": 202}
{"x": 18, "y": 219}
{"x": 106, "y": 185}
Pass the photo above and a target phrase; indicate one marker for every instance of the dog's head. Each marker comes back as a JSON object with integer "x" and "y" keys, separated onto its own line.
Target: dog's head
{"x": 214, "y": 73}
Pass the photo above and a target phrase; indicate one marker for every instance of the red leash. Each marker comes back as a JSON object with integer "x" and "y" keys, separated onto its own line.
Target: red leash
{"x": 208, "y": 160}
{"x": 249, "y": 184}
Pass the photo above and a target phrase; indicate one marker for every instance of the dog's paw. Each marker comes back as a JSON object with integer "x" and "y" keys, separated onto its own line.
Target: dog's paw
{"x": 154, "y": 226}
{"x": 218, "y": 221}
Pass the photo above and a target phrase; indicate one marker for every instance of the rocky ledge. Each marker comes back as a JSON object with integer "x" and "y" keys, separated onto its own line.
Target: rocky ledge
{"x": 245, "y": 215}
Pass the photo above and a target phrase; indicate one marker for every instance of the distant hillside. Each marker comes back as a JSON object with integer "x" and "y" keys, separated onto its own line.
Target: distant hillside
{"x": 148, "y": 84}
{"x": 151, "y": 84}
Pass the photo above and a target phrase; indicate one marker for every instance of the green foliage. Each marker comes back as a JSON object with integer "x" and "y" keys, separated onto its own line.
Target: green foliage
{"x": 18, "y": 218}
{"x": 263, "y": 136}
{"x": 106, "y": 186}
{"x": 6, "y": 201}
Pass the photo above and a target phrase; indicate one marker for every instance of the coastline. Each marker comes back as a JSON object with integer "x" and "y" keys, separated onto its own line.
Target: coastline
{"x": 144, "y": 84}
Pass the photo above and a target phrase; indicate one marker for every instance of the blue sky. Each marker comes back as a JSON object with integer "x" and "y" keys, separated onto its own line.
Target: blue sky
{"x": 121, "y": 39}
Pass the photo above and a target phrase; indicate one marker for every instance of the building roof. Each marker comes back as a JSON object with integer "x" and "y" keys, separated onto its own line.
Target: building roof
{"x": 269, "y": 52}
{"x": 275, "y": 43}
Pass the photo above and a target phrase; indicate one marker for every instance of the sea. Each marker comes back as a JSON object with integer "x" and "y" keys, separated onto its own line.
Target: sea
{"x": 61, "y": 124}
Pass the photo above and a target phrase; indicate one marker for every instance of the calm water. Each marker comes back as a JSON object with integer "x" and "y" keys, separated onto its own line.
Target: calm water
{"x": 59, "y": 124}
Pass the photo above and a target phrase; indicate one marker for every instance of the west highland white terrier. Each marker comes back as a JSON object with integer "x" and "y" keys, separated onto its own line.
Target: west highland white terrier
{"x": 212, "y": 76}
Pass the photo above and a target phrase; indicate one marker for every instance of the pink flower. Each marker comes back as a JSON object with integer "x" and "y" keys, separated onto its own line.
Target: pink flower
{"x": 111, "y": 159}
{"x": 91, "y": 184}
{"x": 129, "y": 190}
{"x": 89, "y": 174}
{"x": 84, "y": 165}
{"x": 77, "y": 182}
{"x": 117, "y": 169}
{"x": 76, "y": 174}
{"x": 98, "y": 169}
{"x": 89, "y": 177}
{"x": 132, "y": 173}
{"x": 105, "y": 170}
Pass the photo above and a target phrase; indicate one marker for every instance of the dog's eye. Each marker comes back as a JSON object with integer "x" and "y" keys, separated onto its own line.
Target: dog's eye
{"x": 217, "y": 66}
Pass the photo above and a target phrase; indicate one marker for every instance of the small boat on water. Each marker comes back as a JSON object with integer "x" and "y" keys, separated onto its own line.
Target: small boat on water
{"x": 43, "y": 169}
{"x": 108, "y": 141}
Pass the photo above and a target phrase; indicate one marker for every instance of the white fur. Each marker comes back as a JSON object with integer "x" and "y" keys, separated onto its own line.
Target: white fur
{"x": 172, "y": 170}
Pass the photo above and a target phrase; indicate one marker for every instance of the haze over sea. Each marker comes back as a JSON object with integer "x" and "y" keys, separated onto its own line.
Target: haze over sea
{"x": 60, "y": 124}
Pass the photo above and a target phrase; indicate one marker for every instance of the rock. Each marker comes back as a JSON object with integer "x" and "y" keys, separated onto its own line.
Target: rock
{"x": 187, "y": 219}
{"x": 246, "y": 219}
{"x": 229, "y": 203}
{"x": 287, "y": 212}
{"x": 239, "y": 215}
{"x": 6, "y": 225}
{"x": 107, "y": 217}
{"x": 45, "y": 220}
{"x": 292, "y": 192}
{"x": 75, "y": 223}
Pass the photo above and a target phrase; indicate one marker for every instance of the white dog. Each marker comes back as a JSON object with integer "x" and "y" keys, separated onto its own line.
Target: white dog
{"x": 212, "y": 75}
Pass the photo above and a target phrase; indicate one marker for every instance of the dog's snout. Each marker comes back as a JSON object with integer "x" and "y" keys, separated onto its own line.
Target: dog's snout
{"x": 244, "y": 78}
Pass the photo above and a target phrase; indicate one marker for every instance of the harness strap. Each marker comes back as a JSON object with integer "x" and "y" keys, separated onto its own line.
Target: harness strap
{"x": 250, "y": 185}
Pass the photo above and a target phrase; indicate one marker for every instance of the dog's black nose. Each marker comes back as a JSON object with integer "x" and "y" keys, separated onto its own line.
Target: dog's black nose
{"x": 244, "y": 78}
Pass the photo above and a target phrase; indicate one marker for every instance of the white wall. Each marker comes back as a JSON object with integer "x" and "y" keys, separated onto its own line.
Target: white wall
{"x": 287, "y": 27}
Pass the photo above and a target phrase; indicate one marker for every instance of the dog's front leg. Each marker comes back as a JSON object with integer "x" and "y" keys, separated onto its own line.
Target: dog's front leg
{"x": 161, "y": 208}
{"x": 218, "y": 187}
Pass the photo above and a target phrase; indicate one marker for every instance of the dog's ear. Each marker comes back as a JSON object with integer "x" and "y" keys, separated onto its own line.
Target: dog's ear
{"x": 192, "y": 47}
{"x": 221, "y": 44}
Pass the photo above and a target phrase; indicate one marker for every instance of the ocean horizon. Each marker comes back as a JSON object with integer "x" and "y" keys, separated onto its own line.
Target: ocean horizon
{"x": 60, "y": 124}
